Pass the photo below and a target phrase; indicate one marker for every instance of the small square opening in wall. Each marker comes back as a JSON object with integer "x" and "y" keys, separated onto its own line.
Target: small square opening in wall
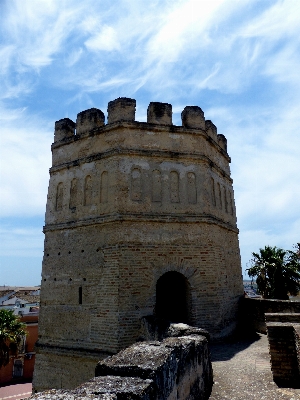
{"x": 80, "y": 295}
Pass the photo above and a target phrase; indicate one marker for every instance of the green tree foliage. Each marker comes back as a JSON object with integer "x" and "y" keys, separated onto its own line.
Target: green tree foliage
{"x": 277, "y": 272}
{"x": 12, "y": 330}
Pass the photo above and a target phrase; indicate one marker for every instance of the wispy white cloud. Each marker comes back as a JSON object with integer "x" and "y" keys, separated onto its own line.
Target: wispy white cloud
{"x": 38, "y": 29}
{"x": 25, "y": 161}
{"x": 73, "y": 57}
{"x": 106, "y": 39}
{"x": 280, "y": 20}
{"x": 181, "y": 27}
{"x": 158, "y": 42}
{"x": 283, "y": 66}
{"x": 238, "y": 60}
{"x": 6, "y": 54}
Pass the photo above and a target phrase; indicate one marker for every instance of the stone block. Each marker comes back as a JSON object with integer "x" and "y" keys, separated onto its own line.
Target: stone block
{"x": 121, "y": 387}
{"x": 148, "y": 360}
{"x": 88, "y": 120}
{"x": 211, "y": 129}
{"x": 64, "y": 128}
{"x": 176, "y": 330}
{"x": 153, "y": 328}
{"x": 193, "y": 117}
{"x": 194, "y": 373}
{"x": 159, "y": 113}
{"x": 121, "y": 109}
{"x": 222, "y": 141}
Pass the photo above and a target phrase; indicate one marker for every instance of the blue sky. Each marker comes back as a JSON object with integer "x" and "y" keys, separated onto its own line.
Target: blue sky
{"x": 238, "y": 60}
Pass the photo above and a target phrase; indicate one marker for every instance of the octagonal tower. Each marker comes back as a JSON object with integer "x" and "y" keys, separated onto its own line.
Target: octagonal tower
{"x": 140, "y": 221}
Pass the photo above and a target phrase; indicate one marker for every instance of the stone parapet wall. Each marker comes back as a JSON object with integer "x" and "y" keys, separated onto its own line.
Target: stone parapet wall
{"x": 252, "y": 312}
{"x": 282, "y": 317}
{"x": 176, "y": 368}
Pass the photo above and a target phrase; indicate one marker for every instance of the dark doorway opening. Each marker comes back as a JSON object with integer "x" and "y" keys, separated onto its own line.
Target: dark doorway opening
{"x": 173, "y": 297}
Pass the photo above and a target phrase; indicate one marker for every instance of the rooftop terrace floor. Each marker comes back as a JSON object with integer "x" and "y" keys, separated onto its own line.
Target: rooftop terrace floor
{"x": 242, "y": 370}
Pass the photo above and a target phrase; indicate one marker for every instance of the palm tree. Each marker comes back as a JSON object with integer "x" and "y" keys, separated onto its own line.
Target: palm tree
{"x": 12, "y": 330}
{"x": 277, "y": 272}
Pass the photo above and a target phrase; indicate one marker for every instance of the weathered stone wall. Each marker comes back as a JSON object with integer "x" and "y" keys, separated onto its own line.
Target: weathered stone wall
{"x": 284, "y": 351}
{"x": 65, "y": 367}
{"x": 176, "y": 368}
{"x": 252, "y": 312}
{"x": 127, "y": 203}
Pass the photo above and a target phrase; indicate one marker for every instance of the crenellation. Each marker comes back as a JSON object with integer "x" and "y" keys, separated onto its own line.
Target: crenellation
{"x": 159, "y": 113}
{"x": 88, "y": 120}
{"x": 64, "y": 128}
{"x": 121, "y": 109}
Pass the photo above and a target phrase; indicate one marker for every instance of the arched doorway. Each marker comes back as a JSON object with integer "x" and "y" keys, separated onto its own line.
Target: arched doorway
{"x": 173, "y": 297}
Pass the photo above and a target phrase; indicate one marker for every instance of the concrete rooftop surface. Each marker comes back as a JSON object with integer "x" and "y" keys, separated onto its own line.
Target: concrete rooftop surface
{"x": 242, "y": 370}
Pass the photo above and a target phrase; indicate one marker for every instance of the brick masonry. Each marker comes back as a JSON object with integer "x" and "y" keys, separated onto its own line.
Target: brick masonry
{"x": 283, "y": 331}
{"x": 284, "y": 346}
{"x": 127, "y": 203}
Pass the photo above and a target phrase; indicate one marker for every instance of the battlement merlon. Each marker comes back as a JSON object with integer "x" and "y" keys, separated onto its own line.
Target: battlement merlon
{"x": 121, "y": 109}
{"x": 121, "y": 115}
{"x": 88, "y": 120}
{"x": 64, "y": 128}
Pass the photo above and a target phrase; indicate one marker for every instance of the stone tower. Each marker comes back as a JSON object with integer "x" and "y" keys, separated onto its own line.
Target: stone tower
{"x": 140, "y": 221}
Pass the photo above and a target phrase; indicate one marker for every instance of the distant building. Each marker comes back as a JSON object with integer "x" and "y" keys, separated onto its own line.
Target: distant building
{"x": 250, "y": 289}
{"x": 19, "y": 299}
{"x": 25, "y": 303}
